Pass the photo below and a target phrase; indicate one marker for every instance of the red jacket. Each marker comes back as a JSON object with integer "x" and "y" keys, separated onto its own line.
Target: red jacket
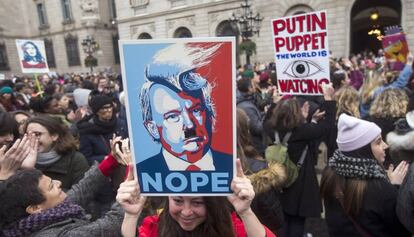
{"x": 149, "y": 227}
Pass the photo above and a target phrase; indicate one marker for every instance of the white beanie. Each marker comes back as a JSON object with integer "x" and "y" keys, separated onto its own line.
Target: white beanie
{"x": 354, "y": 133}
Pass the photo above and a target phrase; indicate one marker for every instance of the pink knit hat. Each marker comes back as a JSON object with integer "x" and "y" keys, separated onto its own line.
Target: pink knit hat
{"x": 354, "y": 133}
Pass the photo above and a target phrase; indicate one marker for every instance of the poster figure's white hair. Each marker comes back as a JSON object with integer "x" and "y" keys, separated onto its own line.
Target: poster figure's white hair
{"x": 175, "y": 67}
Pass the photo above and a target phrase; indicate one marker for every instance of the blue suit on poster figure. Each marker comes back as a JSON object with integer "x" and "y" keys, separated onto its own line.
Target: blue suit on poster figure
{"x": 178, "y": 111}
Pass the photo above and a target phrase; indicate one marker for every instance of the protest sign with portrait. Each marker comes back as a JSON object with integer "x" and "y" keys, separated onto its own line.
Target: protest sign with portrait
{"x": 32, "y": 56}
{"x": 181, "y": 113}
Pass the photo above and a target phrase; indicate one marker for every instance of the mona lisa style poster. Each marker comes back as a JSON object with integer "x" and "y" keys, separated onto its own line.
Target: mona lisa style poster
{"x": 32, "y": 56}
{"x": 181, "y": 114}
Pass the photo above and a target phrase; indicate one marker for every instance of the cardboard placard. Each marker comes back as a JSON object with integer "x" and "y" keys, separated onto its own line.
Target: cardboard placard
{"x": 301, "y": 53}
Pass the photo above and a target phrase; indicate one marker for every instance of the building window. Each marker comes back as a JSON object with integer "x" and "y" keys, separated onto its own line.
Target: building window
{"x": 50, "y": 53}
{"x": 182, "y": 32}
{"x": 115, "y": 46}
{"x": 66, "y": 11}
{"x": 4, "y": 62}
{"x": 72, "y": 50}
{"x": 144, "y": 36}
{"x": 41, "y": 12}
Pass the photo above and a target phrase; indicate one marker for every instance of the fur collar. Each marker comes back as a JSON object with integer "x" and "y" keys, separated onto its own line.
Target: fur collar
{"x": 398, "y": 142}
{"x": 272, "y": 177}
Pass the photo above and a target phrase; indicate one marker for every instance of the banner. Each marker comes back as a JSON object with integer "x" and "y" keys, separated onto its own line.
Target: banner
{"x": 181, "y": 114}
{"x": 395, "y": 50}
{"x": 301, "y": 53}
{"x": 32, "y": 56}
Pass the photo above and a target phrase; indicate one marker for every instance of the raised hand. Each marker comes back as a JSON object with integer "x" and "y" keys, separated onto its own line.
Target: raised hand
{"x": 128, "y": 195}
{"x": 123, "y": 152}
{"x": 31, "y": 158}
{"x": 398, "y": 174}
{"x": 12, "y": 160}
{"x": 243, "y": 192}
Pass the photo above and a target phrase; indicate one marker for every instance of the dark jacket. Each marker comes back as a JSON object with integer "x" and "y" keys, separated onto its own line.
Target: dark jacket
{"x": 95, "y": 146}
{"x": 247, "y": 104}
{"x": 302, "y": 198}
{"x": 69, "y": 169}
{"x": 267, "y": 182}
{"x": 405, "y": 201}
{"x": 81, "y": 194}
{"x": 377, "y": 216}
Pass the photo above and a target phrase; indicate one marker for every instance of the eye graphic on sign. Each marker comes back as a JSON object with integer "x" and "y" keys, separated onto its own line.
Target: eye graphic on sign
{"x": 302, "y": 68}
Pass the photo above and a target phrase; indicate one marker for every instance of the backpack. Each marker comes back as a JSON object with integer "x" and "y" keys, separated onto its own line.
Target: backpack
{"x": 278, "y": 153}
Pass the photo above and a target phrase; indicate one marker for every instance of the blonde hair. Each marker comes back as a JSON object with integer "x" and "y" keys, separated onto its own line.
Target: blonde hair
{"x": 391, "y": 103}
{"x": 347, "y": 99}
{"x": 373, "y": 80}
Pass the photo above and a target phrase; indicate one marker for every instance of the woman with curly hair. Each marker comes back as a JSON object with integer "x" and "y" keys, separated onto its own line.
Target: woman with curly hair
{"x": 387, "y": 108}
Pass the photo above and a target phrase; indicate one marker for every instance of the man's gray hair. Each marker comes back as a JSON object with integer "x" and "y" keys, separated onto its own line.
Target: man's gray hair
{"x": 175, "y": 67}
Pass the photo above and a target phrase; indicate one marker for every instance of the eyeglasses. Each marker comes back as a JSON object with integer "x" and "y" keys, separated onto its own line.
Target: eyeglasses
{"x": 38, "y": 134}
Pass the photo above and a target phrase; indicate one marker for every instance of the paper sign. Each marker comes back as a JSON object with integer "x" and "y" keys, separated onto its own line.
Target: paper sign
{"x": 301, "y": 53}
{"x": 395, "y": 50}
{"x": 181, "y": 112}
{"x": 32, "y": 56}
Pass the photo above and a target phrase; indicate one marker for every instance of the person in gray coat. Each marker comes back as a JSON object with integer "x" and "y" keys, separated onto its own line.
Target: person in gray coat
{"x": 34, "y": 205}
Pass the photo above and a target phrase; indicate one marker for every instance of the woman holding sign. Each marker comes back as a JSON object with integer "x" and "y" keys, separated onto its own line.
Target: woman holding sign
{"x": 193, "y": 216}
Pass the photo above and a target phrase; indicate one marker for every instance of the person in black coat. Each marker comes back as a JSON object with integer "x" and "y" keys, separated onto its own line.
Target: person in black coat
{"x": 301, "y": 199}
{"x": 246, "y": 102}
{"x": 97, "y": 129}
{"x": 359, "y": 194}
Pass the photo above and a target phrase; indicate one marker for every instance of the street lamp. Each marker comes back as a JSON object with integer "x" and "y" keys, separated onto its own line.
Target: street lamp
{"x": 249, "y": 25}
{"x": 90, "y": 46}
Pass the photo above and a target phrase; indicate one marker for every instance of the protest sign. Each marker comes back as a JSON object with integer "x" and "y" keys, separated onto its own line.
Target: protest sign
{"x": 32, "y": 56}
{"x": 181, "y": 114}
{"x": 301, "y": 53}
{"x": 395, "y": 50}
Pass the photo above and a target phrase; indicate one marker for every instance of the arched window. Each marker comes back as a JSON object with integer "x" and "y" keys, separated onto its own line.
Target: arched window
{"x": 4, "y": 62}
{"x": 72, "y": 50}
{"x": 298, "y": 9}
{"x": 182, "y": 32}
{"x": 144, "y": 36}
{"x": 115, "y": 47}
{"x": 389, "y": 14}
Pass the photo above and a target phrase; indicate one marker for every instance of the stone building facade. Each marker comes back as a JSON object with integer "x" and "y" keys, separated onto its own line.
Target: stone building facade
{"x": 348, "y": 20}
{"x": 63, "y": 25}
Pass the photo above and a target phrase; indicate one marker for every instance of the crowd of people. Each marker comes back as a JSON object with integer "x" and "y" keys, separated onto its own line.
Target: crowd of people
{"x": 66, "y": 167}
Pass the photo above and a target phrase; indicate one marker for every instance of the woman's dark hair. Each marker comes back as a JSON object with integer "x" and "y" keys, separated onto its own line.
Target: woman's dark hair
{"x": 26, "y": 57}
{"x": 65, "y": 143}
{"x": 350, "y": 190}
{"x": 17, "y": 193}
{"x": 245, "y": 149}
{"x": 337, "y": 78}
{"x": 41, "y": 104}
{"x": 8, "y": 125}
{"x": 218, "y": 222}
{"x": 286, "y": 116}
{"x": 244, "y": 84}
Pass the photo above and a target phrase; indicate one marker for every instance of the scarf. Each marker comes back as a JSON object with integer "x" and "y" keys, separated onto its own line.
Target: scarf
{"x": 352, "y": 167}
{"x": 92, "y": 125}
{"x": 36, "y": 222}
{"x": 47, "y": 158}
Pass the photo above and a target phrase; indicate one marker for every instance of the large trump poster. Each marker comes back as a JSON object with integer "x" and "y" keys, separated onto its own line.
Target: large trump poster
{"x": 301, "y": 53}
{"x": 181, "y": 114}
{"x": 32, "y": 56}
